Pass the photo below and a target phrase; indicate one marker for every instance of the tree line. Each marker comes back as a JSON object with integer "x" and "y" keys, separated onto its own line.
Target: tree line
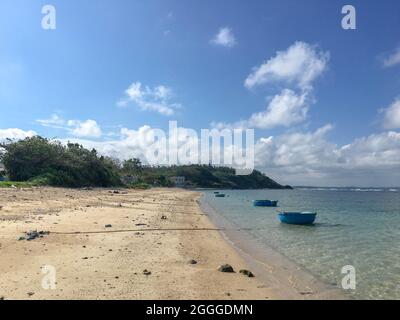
{"x": 41, "y": 161}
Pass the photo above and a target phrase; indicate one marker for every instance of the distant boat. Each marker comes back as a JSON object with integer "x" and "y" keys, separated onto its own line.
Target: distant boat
{"x": 265, "y": 203}
{"x": 297, "y": 217}
{"x": 220, "y": 195}
{"x": 216, "y": 192}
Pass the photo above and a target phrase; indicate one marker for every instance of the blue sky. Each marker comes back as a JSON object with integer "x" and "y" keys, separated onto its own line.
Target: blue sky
{"x": 81, "y": 70}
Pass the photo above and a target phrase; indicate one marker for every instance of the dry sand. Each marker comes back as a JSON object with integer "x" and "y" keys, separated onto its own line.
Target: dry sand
{"x": 159, "y": 230}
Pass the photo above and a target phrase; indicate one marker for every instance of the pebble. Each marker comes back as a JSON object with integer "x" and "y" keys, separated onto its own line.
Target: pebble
{"x": 226, "y": 268}
{"x": 247, "y": 273}
{"x": 146, "y": 272}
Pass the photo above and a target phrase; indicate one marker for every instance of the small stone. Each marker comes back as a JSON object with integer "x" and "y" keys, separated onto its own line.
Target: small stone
{"x": 225, "y": 268}
{"x": 146, "y": 272}
{"x": 247, "y": 273}
{"x": 163, "y": 218}
{"x": 85, "y": 258}
{"x": 192, "y": 261}
{"x": 108, "y": 226}
{"x": 306, "y": 292}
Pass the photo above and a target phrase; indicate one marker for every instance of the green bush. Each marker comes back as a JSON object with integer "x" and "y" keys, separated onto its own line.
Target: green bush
{"x": 42, "y": 161}
{"x": 139, "y": 186}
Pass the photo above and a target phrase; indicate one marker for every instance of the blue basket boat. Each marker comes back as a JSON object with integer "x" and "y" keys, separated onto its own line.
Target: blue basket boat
{"x": 297, "y": 217}
{"x": 265, "y": 203}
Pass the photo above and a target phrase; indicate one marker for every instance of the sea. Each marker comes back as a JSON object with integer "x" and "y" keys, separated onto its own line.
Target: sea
{"x": 356, "y": 227}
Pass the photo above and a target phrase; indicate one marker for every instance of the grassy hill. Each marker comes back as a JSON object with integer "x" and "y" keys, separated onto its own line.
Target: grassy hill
{"x": 205, "y": 176}
{"x": 39, "y": 161}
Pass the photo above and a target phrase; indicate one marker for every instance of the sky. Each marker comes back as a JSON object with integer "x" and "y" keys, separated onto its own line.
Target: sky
{"x": 324, "y": 101}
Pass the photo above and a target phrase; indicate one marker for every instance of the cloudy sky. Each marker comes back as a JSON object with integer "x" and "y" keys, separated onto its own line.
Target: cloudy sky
{"x": 324, "y": 101}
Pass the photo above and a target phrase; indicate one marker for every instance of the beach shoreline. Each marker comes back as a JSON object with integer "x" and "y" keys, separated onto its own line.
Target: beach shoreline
{"x": 289, "y": 280}
{"x": 126, "y": 244}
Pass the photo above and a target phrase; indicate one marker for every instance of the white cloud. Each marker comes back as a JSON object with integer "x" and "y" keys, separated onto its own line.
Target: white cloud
{"x": 295, "y": 152}
{"x": 285, "y": 109}
{"x": 224, "y": 37}
{"x": 150, "y": 99}
{"x": 392, "y": 115}
{"x": 311, "y": 159}
{"x": 297, "y": 158}
{"x": 392, "y": 59}
{"x": 300, "y": 64}
{"x": 375, "y": 151}
{"x": 88, "y": 128}
{"x": 54, "y": 121}
{"x": 15, "y": 134}
{"x": 131, "y": 143}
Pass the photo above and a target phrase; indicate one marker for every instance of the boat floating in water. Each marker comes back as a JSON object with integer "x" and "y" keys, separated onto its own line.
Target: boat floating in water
{"x": 220, "y": 195}
{"x": 265, "y": 203}
{"x": 297, "y": 217}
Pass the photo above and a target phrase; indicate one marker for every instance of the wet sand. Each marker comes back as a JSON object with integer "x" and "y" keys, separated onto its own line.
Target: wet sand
{"x": 159, "y": 231}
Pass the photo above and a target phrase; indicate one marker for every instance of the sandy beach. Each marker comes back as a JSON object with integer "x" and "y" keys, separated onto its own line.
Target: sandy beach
{"x": 130, "y": 244}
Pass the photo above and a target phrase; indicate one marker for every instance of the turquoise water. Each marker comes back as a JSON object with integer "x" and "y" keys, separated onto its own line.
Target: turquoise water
{"x": 358, "y": 227}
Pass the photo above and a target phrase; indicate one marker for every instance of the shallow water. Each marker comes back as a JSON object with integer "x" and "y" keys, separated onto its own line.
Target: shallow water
{"x": 358, "y": 227}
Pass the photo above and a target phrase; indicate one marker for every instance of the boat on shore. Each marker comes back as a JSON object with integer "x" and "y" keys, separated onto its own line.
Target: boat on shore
{"x": 302, "y": 218}
{"x": 265, "y": 203}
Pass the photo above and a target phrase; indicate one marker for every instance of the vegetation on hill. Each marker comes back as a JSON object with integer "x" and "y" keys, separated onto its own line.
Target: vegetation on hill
{"x": 39, "y": 161}
{"x": 207, "y": 176}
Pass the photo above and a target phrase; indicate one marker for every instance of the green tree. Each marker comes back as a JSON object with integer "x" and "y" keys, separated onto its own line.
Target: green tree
{"x": 132, "y": 166}
{"x": 50, "y": 162}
